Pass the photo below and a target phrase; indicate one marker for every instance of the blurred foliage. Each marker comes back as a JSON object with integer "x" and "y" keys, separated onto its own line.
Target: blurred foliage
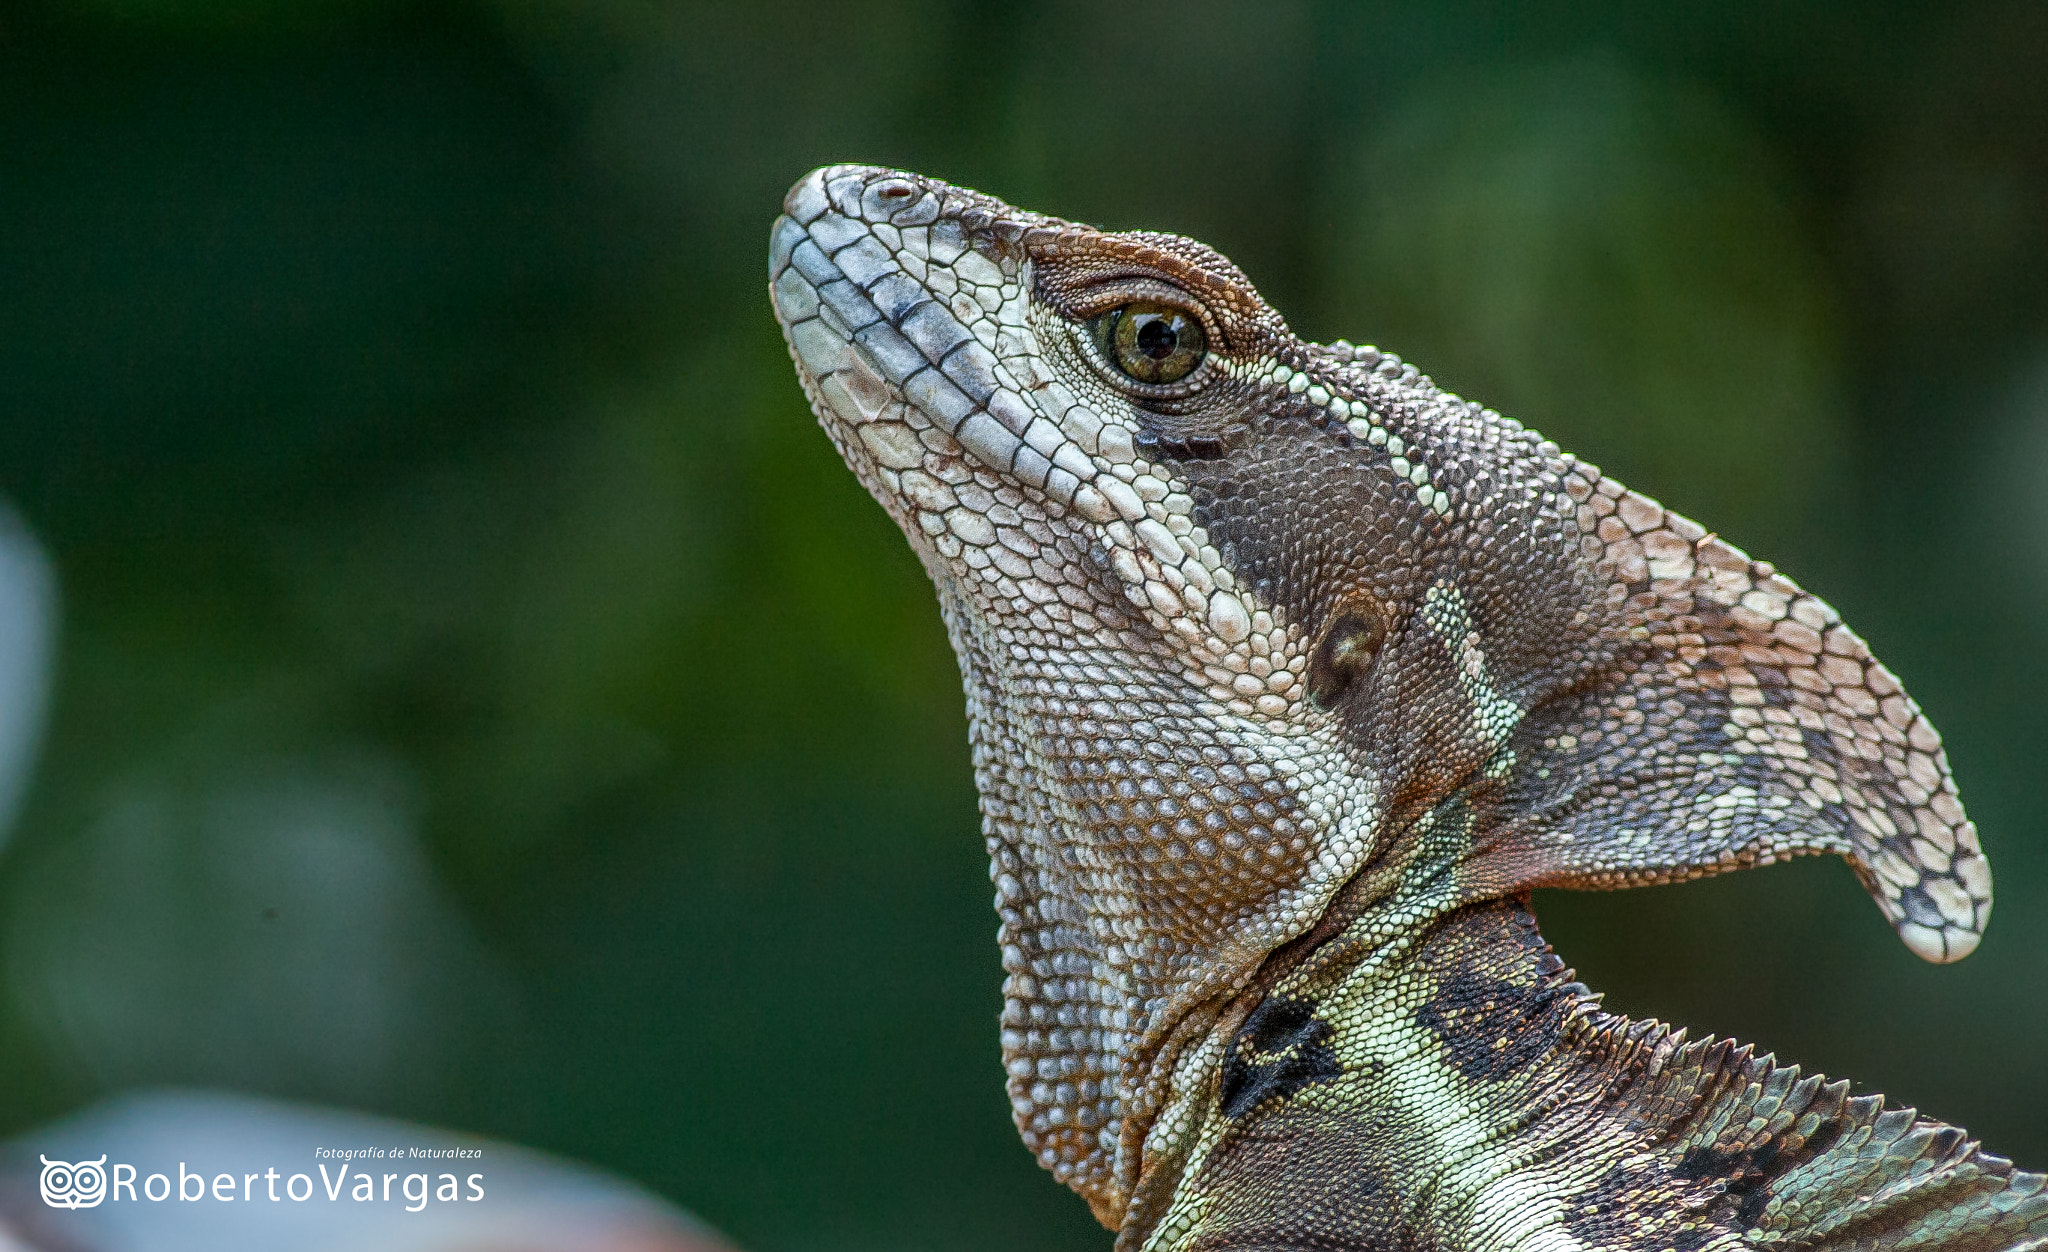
{"x": 482, "y": 696}
{"x": 1614, "y": 251}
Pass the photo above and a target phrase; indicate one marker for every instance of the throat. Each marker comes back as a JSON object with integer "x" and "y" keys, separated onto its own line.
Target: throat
{"x": 1366, "y": 1021}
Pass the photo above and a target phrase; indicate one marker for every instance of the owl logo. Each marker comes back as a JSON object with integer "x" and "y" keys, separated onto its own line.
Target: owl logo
{"x": 68, "y": 1186}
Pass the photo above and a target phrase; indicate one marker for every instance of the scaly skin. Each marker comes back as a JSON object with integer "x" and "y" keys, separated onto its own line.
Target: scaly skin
{"x": 1288, "y": 676}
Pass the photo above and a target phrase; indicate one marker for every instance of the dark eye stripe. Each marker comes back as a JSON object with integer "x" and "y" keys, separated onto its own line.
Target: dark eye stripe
{"x": 1199, "y": 448}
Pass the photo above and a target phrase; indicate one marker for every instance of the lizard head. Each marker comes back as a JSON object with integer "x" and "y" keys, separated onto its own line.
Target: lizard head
{"x": 1241, "y": 617}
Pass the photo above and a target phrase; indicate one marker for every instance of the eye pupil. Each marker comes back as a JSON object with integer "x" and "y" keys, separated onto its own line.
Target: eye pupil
{"x": 1157, "y": 337}
{"x": 1151, "y": 343}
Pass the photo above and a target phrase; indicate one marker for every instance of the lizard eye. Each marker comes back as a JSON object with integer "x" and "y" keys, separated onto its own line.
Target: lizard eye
{"x": 1151, "y": 343}
{"x": 1348, "y": 645}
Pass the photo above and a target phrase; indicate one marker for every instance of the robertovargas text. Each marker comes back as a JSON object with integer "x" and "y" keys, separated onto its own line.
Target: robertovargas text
{"x": 414, "y": 1190}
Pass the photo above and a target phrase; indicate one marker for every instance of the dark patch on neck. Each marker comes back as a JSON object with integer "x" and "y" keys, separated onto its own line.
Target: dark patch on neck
{"x": 1493, "y": 1028}
{"x": 1745, "y": 1175}
{"x": 1281, "y": 1048}
{"x": 1634, "y": 1202}
{"x": 1725, "y": 1185}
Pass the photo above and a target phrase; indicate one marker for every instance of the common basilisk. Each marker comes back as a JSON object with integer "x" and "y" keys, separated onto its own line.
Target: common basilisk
{"x": 1289, "y": 675}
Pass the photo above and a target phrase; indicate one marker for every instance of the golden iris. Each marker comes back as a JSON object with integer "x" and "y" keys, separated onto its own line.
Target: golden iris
{"x": 1152, "y": 343}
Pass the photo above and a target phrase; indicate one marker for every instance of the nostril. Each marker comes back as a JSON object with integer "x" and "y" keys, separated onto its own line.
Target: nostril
{"x": 903, "y": 202}
{"x": 889, "y": 195}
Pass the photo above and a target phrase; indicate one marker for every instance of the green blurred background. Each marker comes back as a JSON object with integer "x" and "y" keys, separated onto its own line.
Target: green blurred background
{"x": 481, "y": 696}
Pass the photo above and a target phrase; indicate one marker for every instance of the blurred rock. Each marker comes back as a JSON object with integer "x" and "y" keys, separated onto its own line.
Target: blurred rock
{"x": 28, "y": 627}
{"x": 262, "y": 922}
